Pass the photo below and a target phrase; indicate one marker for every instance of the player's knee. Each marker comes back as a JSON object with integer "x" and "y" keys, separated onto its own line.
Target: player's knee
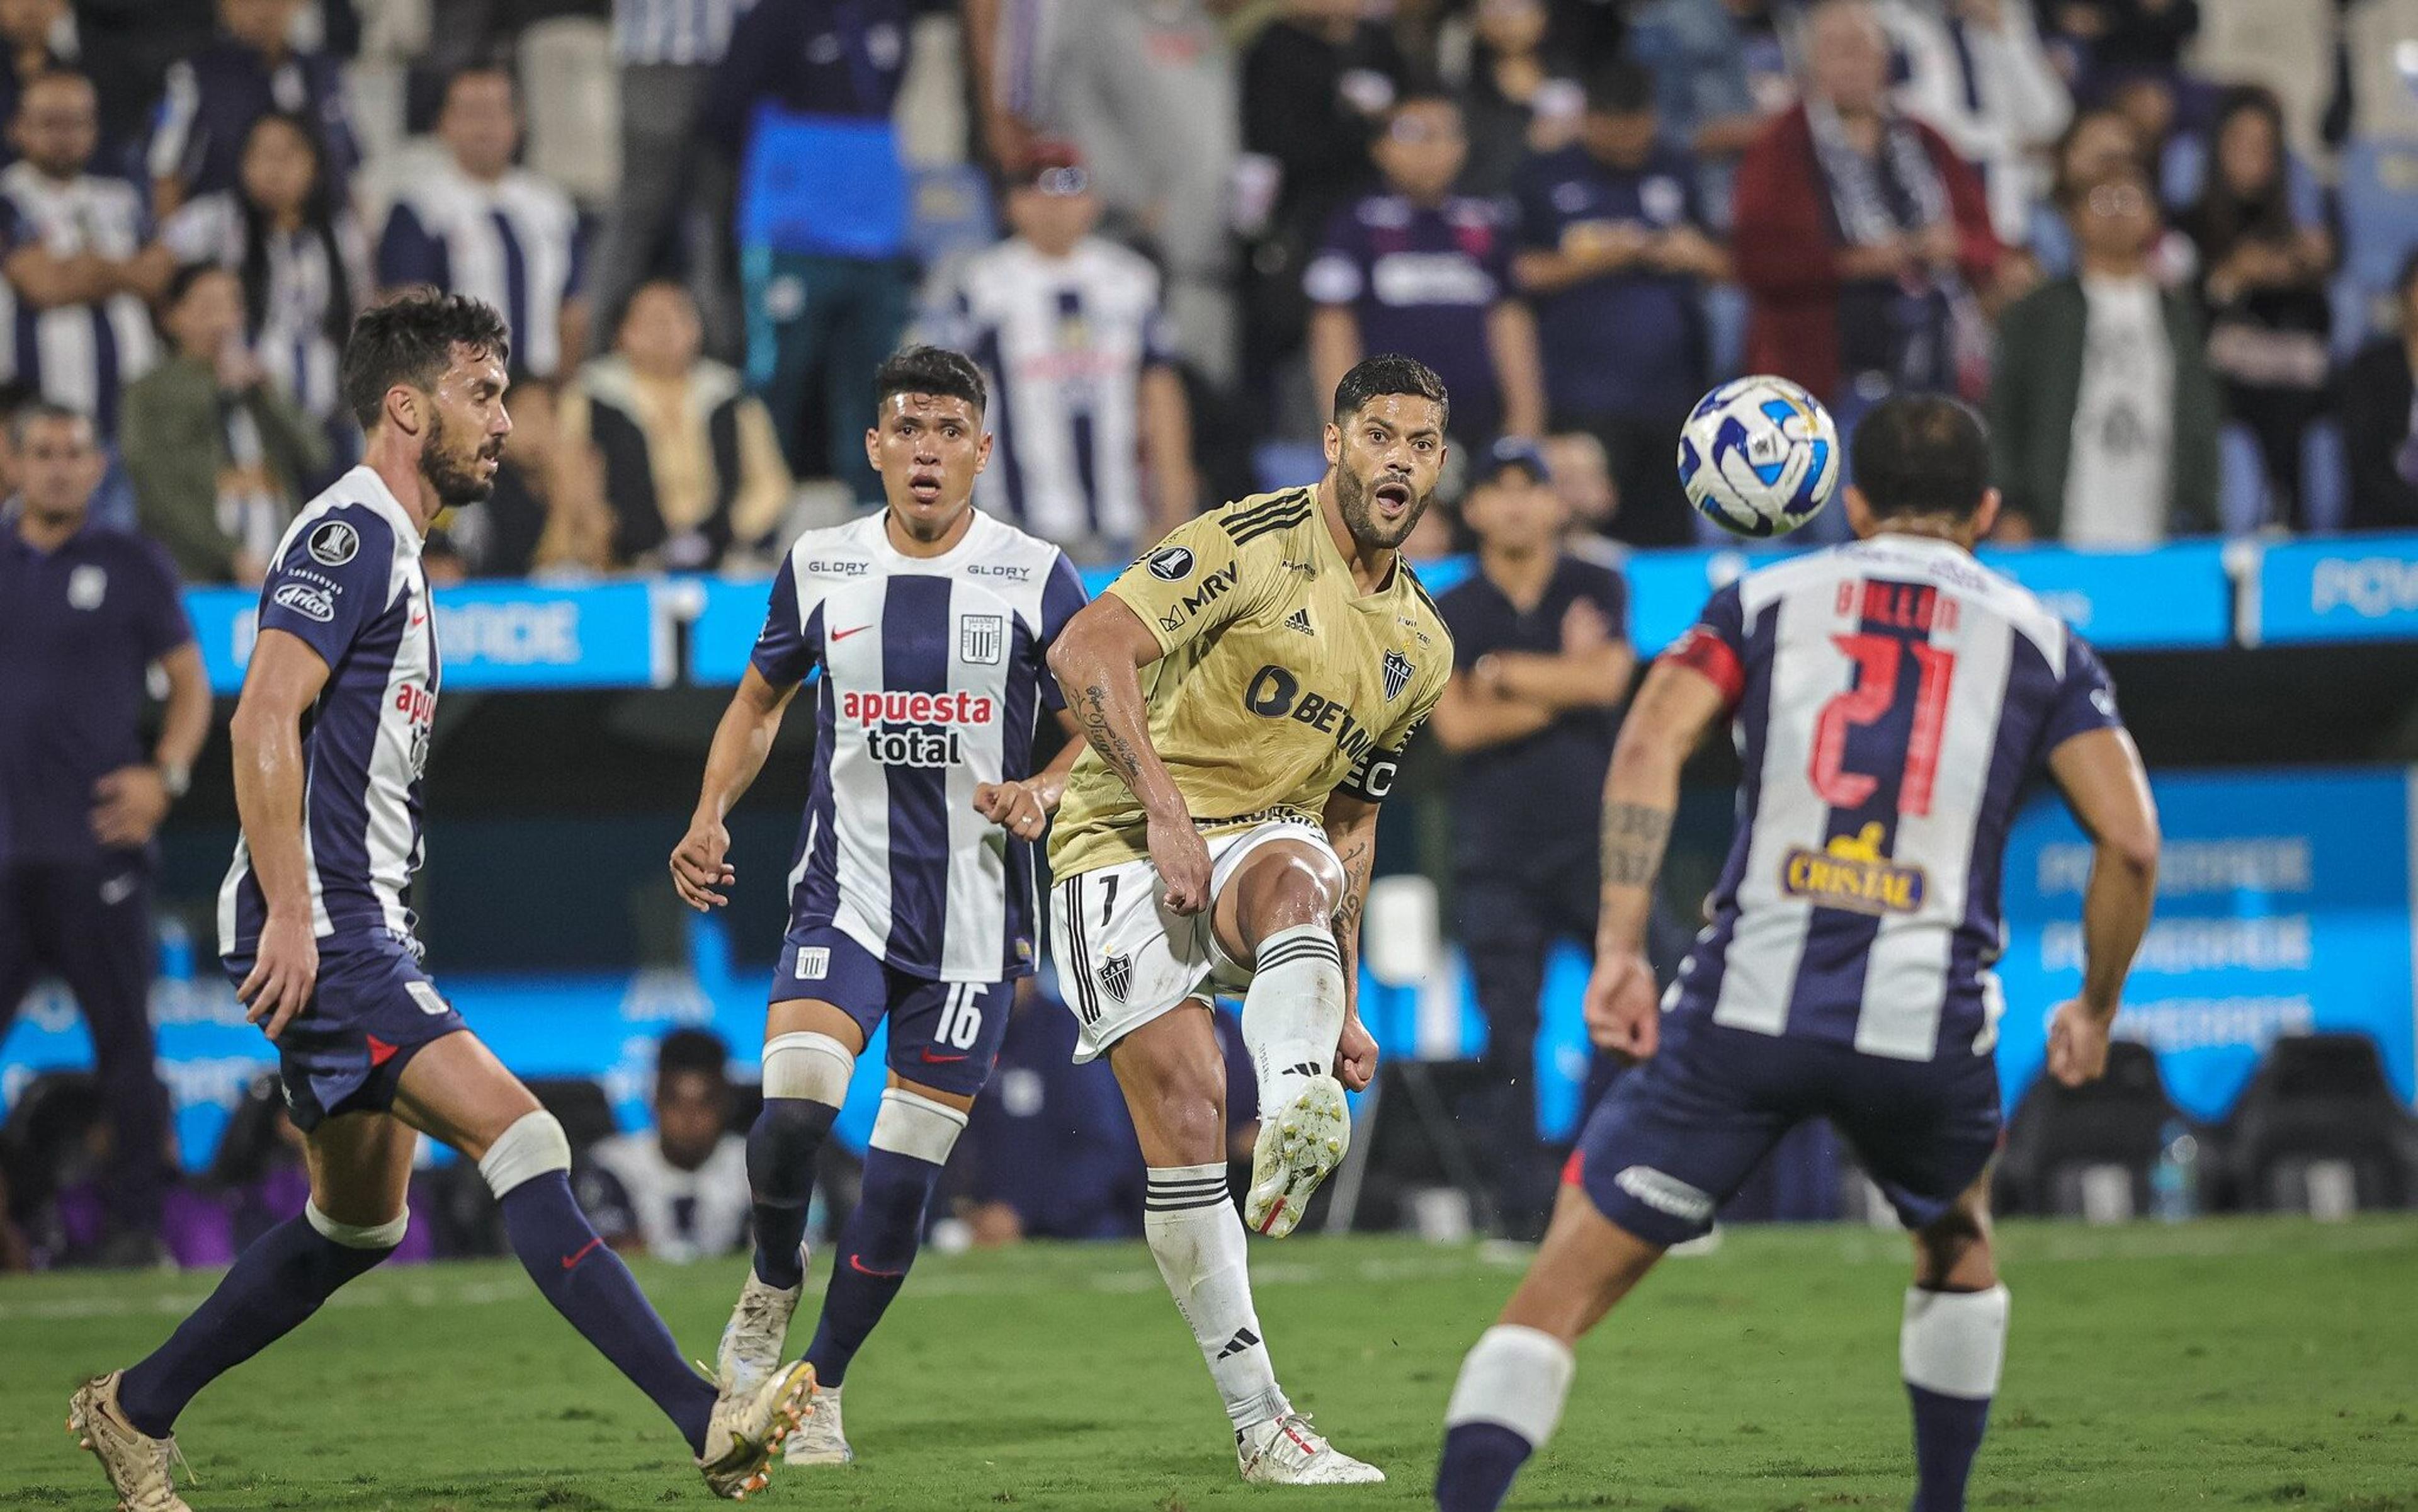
{"x": 534, "y": 1146}
{"x": 380, "y": 1238}
{"x": 1952, "y": 1251}
{"x": 916, "y": 1126}
{"x": 1298, "y": 885}
{"x": 810, "y": 1066}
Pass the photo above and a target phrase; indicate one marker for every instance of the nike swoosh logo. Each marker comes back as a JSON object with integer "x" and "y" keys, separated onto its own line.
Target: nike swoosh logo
{"x": 584, "y": 1250}
{"x": 861, "y": 1269}
{"x": 843, "y": 634}
{"x": 931, "y": 1059}
{"x": 418, "y": 618}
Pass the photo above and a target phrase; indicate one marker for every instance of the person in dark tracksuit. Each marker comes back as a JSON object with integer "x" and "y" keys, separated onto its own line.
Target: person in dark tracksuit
{"x": 85, "y": 612}
{"x": 1541, "y": 662}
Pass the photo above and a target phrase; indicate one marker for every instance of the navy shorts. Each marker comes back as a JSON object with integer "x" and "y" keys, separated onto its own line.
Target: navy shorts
{"x": 945, "y": 1035}
{"x": 371, "y": 1011}
{"x": 1677, "y": 1136}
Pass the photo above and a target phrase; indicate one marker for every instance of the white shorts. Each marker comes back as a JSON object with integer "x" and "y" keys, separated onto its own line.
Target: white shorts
{"x": 1125, "y": 958}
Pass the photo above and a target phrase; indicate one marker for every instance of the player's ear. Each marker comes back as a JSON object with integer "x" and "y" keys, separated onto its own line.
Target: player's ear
{"x": 403, "y": 409}
{"x": 1859, "y": 513}
{"x": 1985, "y": 517}
{"x": 873, "y": 448}
{"x": 982, "y": 453}
{"x": 1334, "y": 437}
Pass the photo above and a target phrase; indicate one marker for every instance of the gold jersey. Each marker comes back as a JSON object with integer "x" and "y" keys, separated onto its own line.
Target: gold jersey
{"x": 1280, "y": 682}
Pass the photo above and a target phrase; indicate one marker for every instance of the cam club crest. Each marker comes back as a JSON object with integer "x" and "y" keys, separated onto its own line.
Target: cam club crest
{"x": 1116, "y": 974}
{"x": 1397, "y": 675}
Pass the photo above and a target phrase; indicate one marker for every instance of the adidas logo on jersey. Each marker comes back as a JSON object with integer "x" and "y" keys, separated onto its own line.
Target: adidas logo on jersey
{"x": 1299, "y": 619}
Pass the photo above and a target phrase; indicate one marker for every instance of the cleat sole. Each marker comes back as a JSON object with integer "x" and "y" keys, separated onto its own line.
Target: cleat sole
{"x": 1296, "y": 1156}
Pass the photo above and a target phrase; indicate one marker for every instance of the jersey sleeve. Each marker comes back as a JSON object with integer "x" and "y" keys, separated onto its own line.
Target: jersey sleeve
{"x": 785, "y": 653}
{"x": 1062, "y": 596}
{"x": 1188, "y": 585}
{"x": 2086, "y": 697}
{"x": 1715, "y": 646}
{"x": 332, "y": 581}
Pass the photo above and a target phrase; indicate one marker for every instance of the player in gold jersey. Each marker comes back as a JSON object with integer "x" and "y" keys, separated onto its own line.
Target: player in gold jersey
{"x": 1246, "y": 688}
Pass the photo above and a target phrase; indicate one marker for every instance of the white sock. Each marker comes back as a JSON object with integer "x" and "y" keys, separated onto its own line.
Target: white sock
{"x": 1293, "y": 1012}
{"x": 1515, "y": 1377}
{"x": 1197, "y": 1238}
{"x": 1954, "y": 1342}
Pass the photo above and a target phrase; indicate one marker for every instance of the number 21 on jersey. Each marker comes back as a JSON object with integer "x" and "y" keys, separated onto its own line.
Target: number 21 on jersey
{"x": 1892, "y": 644}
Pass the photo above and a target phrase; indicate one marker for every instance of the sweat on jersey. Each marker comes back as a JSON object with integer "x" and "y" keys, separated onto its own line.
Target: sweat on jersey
{"x": 934, "y": 675}
{"x": 1890, "y": 701}
{"x": 1280, "y": 682}
{"x": 347, "y": 581}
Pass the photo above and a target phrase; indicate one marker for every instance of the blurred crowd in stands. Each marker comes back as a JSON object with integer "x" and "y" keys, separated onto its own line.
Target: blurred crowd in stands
{"x": 2165, "y": 242}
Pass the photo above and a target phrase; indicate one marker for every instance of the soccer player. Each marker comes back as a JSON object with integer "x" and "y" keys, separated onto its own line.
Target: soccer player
{"x": 330, "y": 739}
{"x": 1247, "y": 689}
{"x": 1891, "y": 699}
{"x": 911, "y": 896}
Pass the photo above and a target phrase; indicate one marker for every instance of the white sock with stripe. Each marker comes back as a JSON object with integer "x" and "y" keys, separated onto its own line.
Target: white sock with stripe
{"x": 1197, "y": 1237}
{"x": 1293, "y": 1012}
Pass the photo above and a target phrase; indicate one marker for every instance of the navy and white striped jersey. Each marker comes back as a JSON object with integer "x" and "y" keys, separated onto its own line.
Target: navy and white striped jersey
{"x": 933, "y": 680}
{"x": 1064, "y": 341}
{"x": 1891, "y": 699}
{"x": 82, "y": 356}
{"x": 674, "y": 31}
{"x": 513, "y": 243}
{"x": 291, "y": 327}
{"x": 347, "y": 580}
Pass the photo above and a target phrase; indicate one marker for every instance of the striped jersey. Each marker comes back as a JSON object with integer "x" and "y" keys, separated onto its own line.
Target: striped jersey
{"x": 1891, "y": 701}
{"x": 347, "y": 580}
{"x": 307, "y": 297}
{"x": 82, "y": 356}
{"x": 674, "y": 31}
{"x": 1064, "y": 341}
{"x": 513, "y": 243}
{"x": 933, "y": 677}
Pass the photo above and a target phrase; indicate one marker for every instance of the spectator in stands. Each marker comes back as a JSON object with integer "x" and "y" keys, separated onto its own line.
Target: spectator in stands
{"x": 1150, "y": 94}
{"x": 1859, "y": 234}
{"x": 1615, "y": 257}
{"x": 1540, "y": 665}
{"x": 477, "y": 224}
{"x": 2380, "y": 411}
{"x": 1416, "y": 267}
{"x": 2263, "y": 280}
{"x": 547, "y": 516}
{"x": 668, "y": 51}
{"x": 1581, "y": 473}
{"x": 2119, "y": 37}
{"x": 1519, "y": 98}
{"x": 2094, "y": 141}
{"x": 214, "y": 95}
{"x": 1069, "y": 329}
{"x": 219, "y": 455}
{"x": 802, "y": 102}
{"x": 1318, "y": 85}
{"x": 1977, "y": 72}
{"x": 27, "y": 29}
{"x": 85, "y": 613}
{"x": 77, "y": 258}
{"x": 1718, "y": 76}
{"x": 2103, "y": 414}
{"x": 690, "y": 466}
{"x": 301, "y": 256}
{"x": 677, "y": 1191}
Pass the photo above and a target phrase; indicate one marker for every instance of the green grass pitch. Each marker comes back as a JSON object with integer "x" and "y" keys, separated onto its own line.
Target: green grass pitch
{"x": 2224, "y": 1364}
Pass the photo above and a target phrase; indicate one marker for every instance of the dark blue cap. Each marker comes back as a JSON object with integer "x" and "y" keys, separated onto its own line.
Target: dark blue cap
{"x": 1508, "y": 452}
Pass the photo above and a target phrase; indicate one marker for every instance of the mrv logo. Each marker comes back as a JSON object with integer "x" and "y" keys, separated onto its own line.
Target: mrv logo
{"x": 916, "y": 729}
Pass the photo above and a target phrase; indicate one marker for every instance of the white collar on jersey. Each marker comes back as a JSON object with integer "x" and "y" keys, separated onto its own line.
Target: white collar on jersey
{"x": 362, "y": 485}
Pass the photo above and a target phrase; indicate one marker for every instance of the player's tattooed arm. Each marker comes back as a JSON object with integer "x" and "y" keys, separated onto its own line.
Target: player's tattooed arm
{"x": 1100, "y": 655}
{"x": 1633, "y": 837}
{"x": 1674, "y": 706}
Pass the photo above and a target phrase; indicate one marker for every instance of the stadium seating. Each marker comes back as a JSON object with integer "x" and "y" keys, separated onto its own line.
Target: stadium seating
{"x": 2319, "y": 1129}
{"x": 2088, "y": 1150}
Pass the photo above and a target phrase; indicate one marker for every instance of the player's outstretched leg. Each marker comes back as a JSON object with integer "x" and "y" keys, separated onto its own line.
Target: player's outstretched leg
{"x": 1278, "y": 912}
{"x": 360, "y": 1164}
{"x": 1952, "y": 1347}
{"x": 1512, "y": 1385}
{"x": 1174, "y": 1081}
{"x": 806, "y": 1071}
{"x": 458, "y": 1091}
{"x": 912, "y": 1136}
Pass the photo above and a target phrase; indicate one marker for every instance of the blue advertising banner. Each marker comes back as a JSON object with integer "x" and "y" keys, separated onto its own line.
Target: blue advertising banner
{"x": 2175, "y": 597}
{"x": 2284, "y": 907}
{"x": 492, "y": 636}
{"x": 723, "y": 632}
{"x": 2355, "y": 587}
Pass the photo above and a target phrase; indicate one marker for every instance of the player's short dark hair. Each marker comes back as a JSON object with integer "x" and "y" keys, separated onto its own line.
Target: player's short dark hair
{"x": 699, "y": 1050}
{"x": 1388, "y": 373}
{"x": 410, "y": 339}
{"x": 1619, "y": 86}
{"x": 930, "y": 370}
{"x": 1921, "y": 454}
{"x": 181, "y": 282}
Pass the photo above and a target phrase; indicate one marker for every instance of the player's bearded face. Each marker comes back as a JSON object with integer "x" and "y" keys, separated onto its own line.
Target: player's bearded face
{"x": 1386, "y": 462}
{"x": 466, "y": 426}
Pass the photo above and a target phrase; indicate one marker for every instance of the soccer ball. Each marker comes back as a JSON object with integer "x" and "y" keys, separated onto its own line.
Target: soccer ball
{"x": 1759, "y": 456}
